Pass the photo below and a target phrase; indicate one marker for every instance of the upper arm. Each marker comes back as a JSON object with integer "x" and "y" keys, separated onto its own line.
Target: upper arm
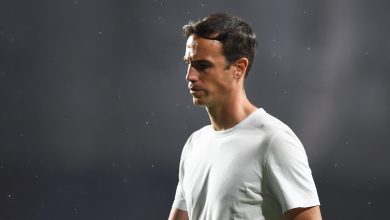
{"x": 311, "y": 213}
{"x": 288, "y": 173}
{"x": 177, "y": 214}
{"x": 179, "y": 204}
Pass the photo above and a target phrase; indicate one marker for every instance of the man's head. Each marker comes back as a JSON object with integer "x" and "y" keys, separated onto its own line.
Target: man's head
{"x": 219, "y": 52}
{"x": 236, "y": 36}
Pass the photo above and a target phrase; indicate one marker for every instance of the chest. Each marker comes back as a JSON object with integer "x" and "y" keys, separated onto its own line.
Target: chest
{"x": 224, "y": 170}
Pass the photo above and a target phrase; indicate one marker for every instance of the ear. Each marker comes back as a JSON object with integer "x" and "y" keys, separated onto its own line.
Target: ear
{"x": 241, "y": 66}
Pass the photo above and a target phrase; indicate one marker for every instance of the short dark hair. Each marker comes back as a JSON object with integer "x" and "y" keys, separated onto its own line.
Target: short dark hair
{"x": 237, "y": 38}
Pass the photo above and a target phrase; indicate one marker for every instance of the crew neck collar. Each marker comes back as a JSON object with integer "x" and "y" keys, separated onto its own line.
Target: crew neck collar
{"x": 238, "y": 126}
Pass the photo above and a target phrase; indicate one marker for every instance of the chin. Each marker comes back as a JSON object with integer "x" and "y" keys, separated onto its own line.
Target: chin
{"x": 198, "y": 102}
{"x": 202, "y": 102}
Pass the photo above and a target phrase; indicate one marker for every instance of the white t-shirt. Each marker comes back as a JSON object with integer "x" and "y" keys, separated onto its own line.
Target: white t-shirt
{"x": 256, "y": 170}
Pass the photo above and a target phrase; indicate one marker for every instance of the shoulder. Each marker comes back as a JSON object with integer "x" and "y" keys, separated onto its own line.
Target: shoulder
{"x": 271, "y": 123}
{"x": 268, "y": 125}
{"x": 196, "y": 137}
{"x": 199, "y": 134}
{"x": 280, "y": 137}
{"x": 204, "y": 131}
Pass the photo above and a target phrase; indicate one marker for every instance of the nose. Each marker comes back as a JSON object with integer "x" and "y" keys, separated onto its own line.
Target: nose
{"x": 192, "y": 74}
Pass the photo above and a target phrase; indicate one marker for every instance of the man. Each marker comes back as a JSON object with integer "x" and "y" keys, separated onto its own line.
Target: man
{"x": 246, "y": 164}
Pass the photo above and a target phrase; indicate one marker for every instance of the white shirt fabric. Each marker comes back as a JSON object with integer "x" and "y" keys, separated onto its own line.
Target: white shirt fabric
{"x": 256, "y": 170}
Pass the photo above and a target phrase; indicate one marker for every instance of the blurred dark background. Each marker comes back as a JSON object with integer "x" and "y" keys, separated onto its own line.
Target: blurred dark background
{"x": 94, "y": 108}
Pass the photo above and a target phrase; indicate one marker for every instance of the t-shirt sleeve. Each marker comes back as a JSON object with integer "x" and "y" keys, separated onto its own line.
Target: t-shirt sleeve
{"x": 180, "y": 201}
{"x": 288, "y": 172}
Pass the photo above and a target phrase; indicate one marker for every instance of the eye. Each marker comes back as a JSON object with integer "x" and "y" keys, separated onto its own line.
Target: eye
{"x": 201, "y": 65}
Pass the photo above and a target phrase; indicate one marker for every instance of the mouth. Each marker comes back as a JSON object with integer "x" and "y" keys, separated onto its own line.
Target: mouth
{"x": 195, "y": 91}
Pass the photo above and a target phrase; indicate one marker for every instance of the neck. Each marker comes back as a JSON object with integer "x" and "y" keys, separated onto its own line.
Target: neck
{"x": 230, "y": 113}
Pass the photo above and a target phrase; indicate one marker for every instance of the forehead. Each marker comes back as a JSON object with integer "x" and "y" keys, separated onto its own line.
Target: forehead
{"x": 201, "y": 48}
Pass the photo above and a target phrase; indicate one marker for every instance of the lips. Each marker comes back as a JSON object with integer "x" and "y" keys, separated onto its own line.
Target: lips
{"x": 195, "y": 90}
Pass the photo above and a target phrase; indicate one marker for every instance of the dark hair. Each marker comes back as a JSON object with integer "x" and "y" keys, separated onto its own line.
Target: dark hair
{"x": 234, "y": 33}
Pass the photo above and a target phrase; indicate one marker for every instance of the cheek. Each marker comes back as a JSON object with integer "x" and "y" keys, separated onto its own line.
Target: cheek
{"x": 224, "y": 82}
{"x": 218, "y": 82}
{"x": 219, "y": 87}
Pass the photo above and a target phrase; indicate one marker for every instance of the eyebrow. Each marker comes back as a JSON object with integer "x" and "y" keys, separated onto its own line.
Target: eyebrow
{"x": 197, "y": 61}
